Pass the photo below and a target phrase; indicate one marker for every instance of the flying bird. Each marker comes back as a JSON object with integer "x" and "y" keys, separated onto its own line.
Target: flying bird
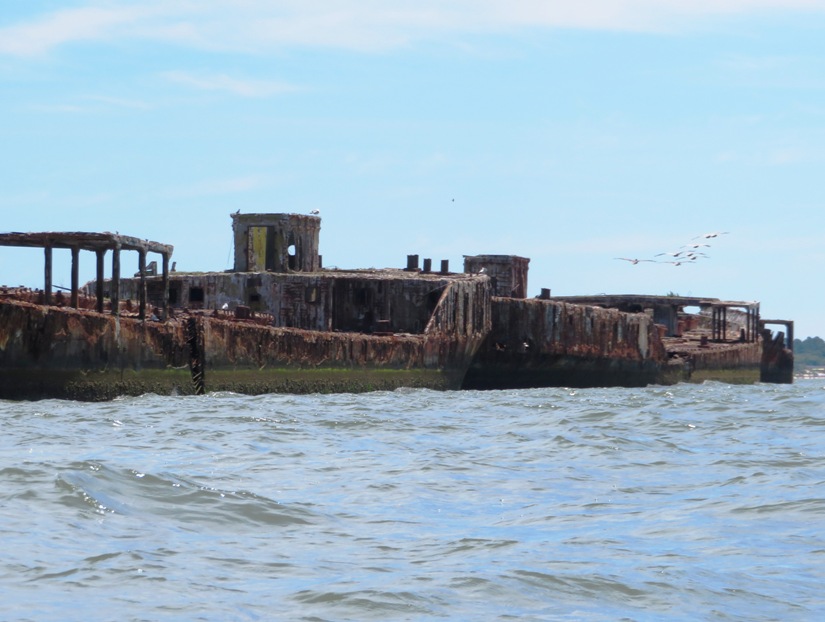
{"x": 635, "y": 261}
{"x": 708, "y": 236}
{"x": 315, "y": 212}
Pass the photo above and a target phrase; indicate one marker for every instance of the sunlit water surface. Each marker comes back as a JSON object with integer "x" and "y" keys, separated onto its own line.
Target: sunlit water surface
{"x": 687, "y": 502}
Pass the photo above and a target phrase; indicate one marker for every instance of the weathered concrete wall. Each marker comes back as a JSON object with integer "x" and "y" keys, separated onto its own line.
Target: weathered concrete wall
{"x": 545, "y": 343}
{"x": 65, "y": 353}
{"x": 400, "y": 305}
{"x": 508, "y": 273}
{"x": 253, "y": 359}
{"x": 463, "y": 308}
{"x": 377, "y": 301}
{"x": 735, "y": 363}
{"x": 731, "y": 356}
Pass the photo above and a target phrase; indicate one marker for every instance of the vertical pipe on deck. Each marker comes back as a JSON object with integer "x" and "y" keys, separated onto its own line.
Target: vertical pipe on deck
{"x": 114, "y": 290}
{"x": 100, "y": 253}
{"x": 142, "y": 286}
{"x": 75, "y": 275}
{"x": 47, "y": 276}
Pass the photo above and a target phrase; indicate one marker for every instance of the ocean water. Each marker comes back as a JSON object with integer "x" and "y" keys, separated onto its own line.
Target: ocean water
{"x": 691, "y": 502}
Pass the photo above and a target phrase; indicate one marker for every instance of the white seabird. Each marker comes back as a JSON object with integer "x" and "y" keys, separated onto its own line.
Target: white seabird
{"x": 635, "y": 261}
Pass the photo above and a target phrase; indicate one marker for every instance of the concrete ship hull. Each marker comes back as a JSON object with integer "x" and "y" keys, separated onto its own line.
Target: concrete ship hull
{"x": 53, "y": 352}
{"x": 279, "y": 322}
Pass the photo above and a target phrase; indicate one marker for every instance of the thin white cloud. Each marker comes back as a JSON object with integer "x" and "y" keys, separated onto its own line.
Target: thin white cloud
{"x": 90, "y": 23}
{"x": 261, "y": 25}
{"x": 228, "y": 84}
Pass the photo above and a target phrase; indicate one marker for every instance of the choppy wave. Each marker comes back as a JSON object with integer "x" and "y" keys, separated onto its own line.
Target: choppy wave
{"x": 685, "y": 502}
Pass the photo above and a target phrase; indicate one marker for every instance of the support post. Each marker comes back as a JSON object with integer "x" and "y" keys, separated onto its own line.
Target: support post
{"x": 114, "y": 290}
{"x": 47, "y": 276}
{"x": 724, "y": 323}
{"x": 165, "y": 302}
{"x": 75, "y": 275}
{"x": 101, "y": 254}
{"x": 142, "y": 289}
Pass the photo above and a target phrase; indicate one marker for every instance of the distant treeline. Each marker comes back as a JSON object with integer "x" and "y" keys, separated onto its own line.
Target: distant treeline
{"x": 809, "y": 353}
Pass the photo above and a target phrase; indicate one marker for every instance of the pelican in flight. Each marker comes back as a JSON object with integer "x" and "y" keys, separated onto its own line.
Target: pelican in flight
{"x": 708, "y": 236}
{"x": 635, "y": 261}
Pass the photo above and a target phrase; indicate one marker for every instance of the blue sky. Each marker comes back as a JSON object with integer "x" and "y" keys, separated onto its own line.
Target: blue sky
{"x": 570, "y": 133}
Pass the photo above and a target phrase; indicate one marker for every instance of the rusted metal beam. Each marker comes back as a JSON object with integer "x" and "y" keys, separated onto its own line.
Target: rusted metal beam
{"x": 84, "y": 241}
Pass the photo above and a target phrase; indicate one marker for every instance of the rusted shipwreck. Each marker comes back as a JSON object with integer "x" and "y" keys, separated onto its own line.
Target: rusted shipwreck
{"x": 280, "y": 322}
